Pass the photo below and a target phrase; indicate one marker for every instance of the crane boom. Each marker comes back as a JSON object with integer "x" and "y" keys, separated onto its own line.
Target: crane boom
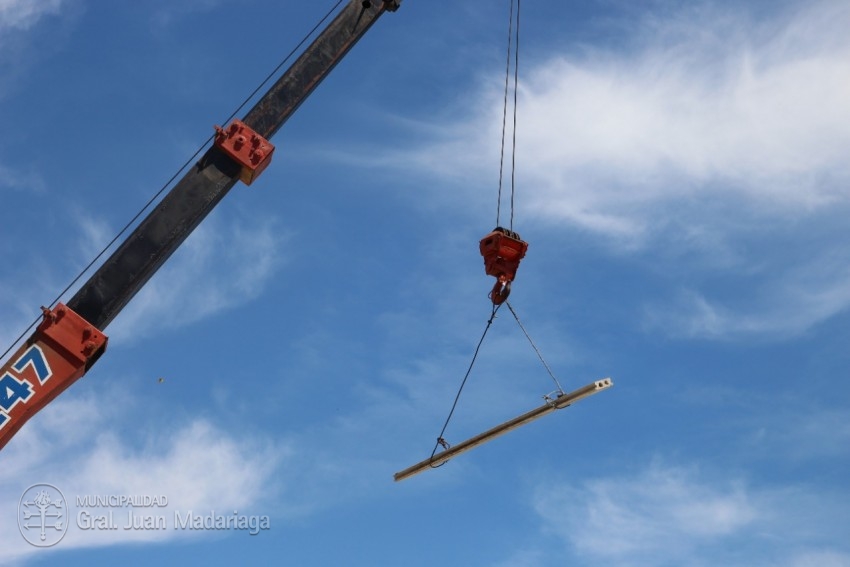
{"x": 70, "y": 340}
{"x": 200, "y": 190}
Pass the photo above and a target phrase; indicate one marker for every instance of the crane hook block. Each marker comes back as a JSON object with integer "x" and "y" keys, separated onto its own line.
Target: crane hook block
{"x": 245, "y": 147}
{"x": 502, "y": 250}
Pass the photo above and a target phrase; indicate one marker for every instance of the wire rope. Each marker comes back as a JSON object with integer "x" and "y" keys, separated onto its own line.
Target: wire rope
{"x": 513, "y": 49}
{"x": 516, "y": 89}
{"x": 505, "y": 113}
{"x": 536, "y": 350}
{"x": 440, "y": 440}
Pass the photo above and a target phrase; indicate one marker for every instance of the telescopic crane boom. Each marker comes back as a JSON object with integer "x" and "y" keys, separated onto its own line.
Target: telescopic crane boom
{"x": 70, "y": 338}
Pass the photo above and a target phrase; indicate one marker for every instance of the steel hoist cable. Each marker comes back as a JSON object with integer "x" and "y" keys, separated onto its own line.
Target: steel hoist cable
{"x": 512, "y": 49}
{"x": 502, "y": 248}
{"x": 168, "y": 183}
{"x": 516, "y": 89}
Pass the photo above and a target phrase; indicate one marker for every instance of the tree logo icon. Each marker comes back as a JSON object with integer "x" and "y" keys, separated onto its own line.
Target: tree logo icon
{"x": 42, "y": 515}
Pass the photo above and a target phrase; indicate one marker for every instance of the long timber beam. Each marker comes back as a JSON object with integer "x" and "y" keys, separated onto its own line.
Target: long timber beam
{"x": 560, "y": 402}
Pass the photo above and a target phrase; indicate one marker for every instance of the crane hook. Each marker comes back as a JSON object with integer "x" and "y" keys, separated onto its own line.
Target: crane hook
{"x": 502, "y": 250}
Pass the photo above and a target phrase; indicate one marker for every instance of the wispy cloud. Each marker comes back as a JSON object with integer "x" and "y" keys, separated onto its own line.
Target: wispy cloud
{"x": 673, "y": 515}
{"x": 703, "y": 102}
{"x": 22, "y": 14}
{"x": 778, "y": 299}
{"x": 219, "y": 266}
{"x": 662, "y": 513}
{"x": 704, "y": 138}
{"x": 95, "y": 234}
{"x": 15, "y": 179}
{"x": 30, "y": 32}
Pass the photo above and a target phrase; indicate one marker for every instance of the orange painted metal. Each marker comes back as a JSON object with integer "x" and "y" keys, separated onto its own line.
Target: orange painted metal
{"x": 502, "y": 250}
{"x": 245, "y": 147}
{"x": 60, "y": 351}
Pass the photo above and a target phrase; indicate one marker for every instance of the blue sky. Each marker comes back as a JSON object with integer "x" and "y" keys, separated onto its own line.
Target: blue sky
{"x": 682, "y": 179}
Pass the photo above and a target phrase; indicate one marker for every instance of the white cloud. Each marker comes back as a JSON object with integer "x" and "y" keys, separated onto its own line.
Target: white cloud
{"x": 696, "y": 140}
{"x": 663, "y": 512}
{"x": 191, "y": 461}
{"x": 23, "y": 14}
{"x": 703, "y": 103}
{"x": 670, "y": 515}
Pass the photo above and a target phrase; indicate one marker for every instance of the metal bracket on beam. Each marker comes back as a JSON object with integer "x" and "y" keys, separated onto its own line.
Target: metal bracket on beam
{"x": 58, "y": 353}
{"x": 247, "y": 148}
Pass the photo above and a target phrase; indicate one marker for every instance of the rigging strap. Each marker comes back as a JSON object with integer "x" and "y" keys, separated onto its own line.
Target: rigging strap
{"x": 534, "y": 346}
{"x": 440, "y": 440}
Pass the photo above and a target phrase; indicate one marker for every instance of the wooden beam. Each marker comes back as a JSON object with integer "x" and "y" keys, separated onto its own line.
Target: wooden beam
{"x": 560, "y": 402}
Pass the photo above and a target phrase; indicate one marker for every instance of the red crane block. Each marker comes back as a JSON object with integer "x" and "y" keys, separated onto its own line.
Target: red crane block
{"x": 60, "y": 351}
{"x": 502, "y": 250}
{"x": 245, "y": 147}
